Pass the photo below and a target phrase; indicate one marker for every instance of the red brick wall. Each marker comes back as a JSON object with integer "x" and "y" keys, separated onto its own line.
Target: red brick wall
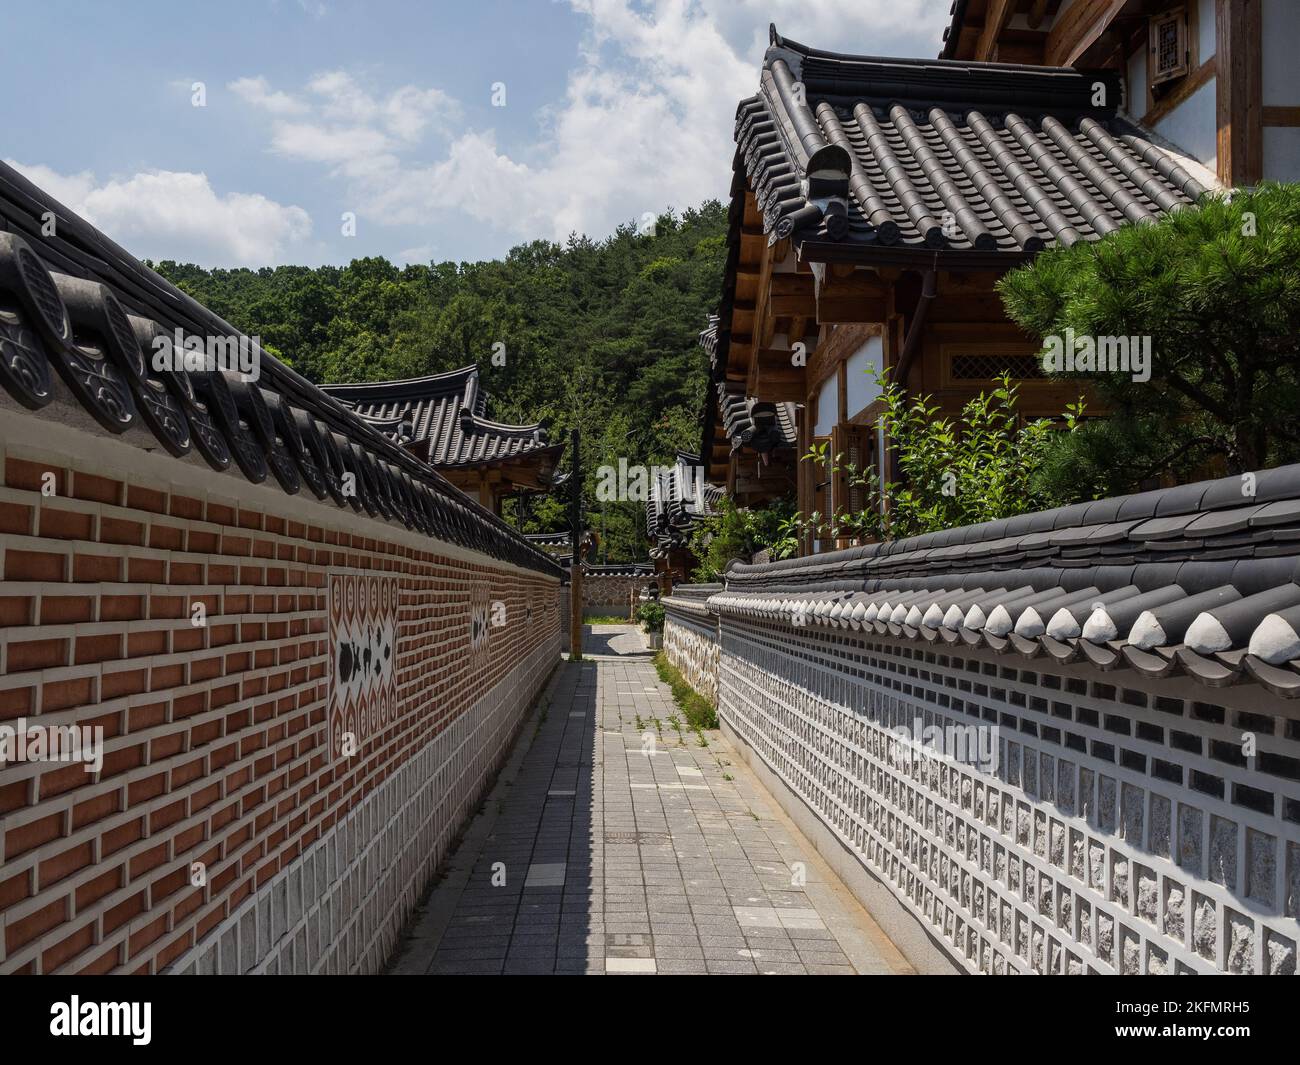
{"x": 216, "y": 746}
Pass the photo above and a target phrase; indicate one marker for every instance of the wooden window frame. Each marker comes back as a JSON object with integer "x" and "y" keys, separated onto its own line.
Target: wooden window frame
{"x": 1179, "y": 17}
{"x": 948, "y": 351}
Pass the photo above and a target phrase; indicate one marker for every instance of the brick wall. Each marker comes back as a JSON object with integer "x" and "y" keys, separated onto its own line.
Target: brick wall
{"x": 1120, "y": 830}
{"x": 232, "y": 827}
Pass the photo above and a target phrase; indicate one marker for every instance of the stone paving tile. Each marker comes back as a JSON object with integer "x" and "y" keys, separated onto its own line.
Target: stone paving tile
{"x": 613, "y": 844}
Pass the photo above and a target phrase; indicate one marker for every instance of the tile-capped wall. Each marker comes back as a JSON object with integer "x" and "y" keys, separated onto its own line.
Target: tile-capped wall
{"x": 340, "y": 907}
{"x": 1119, "y": 828}
{"x": 219, "y": 793}
{"x": 691, "y": 645}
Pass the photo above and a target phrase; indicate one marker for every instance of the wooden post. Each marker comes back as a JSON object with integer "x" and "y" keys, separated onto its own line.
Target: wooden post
{"x": 575, "y": 540}
{"x": 1238, "y": 92}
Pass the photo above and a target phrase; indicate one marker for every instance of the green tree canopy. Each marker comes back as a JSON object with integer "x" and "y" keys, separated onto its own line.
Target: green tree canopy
{"x": 600, "y": 335}
{"x": 1217, "y": 289}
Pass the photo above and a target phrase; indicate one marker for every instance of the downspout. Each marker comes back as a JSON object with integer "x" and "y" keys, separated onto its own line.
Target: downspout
{"x": 929, "y": 289}
{"x": 911, "y": 345}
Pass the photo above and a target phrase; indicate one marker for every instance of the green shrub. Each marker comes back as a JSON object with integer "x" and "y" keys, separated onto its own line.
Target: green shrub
{"x": 981, "y": 466}
{"x": 652, "y": 616}
{"x": 698, "y": 711}
{"x": 1216, "y": 289}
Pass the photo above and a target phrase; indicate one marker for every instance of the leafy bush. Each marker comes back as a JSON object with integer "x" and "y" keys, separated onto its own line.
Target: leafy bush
{"x": 652, "y": 616}
{"x": 982, "y": 466}
{"x": 735, "y": 532}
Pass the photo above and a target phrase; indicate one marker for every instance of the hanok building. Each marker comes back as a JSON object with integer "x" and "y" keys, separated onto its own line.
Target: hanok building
{"x": 875, "y": 204}
{"x": 442, "y": 420}
{"x": 559, "y": 545}
{"x": 1215, "y": 77}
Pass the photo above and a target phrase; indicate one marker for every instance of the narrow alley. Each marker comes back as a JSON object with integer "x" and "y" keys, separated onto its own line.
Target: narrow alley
{"x": 618, "y": 841}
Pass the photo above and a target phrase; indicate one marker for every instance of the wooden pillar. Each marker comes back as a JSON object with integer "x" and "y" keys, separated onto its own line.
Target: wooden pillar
{"x": 1239, "y": 92}
{"x": 575, "y": 541}
{"x": 575, "y": 611}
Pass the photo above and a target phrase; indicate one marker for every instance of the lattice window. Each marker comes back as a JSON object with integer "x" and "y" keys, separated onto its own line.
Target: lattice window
{"x": 1168, "y": 46}
{"x": 986, "y": 367}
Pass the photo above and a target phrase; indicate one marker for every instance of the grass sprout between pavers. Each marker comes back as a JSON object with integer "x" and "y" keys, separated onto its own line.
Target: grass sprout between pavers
{"x": 698, "y": 711}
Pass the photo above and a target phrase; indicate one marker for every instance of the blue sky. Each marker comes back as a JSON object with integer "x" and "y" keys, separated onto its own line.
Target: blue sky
{"x": 384, "y": 110}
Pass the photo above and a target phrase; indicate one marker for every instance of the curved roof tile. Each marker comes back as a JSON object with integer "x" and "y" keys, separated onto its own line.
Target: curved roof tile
{"x": 82, "y": 321}
{"x": 1221, "y": 607}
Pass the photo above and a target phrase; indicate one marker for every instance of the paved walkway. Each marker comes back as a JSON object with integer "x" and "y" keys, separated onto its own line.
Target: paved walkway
{"x": 617, "y": 842}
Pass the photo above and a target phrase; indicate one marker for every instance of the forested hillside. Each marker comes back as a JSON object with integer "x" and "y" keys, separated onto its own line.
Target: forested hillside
{"x": 597, "y": 334}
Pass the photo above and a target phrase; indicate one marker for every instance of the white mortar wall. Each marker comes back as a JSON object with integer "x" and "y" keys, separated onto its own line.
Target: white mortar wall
{"x": 1096, "y": 845}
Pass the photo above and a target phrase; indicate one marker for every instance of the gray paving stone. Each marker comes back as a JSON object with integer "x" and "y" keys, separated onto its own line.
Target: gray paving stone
{"x": 618, "y": 859}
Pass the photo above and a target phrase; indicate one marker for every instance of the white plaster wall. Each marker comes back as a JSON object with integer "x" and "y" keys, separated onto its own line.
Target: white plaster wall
{"x": 828, "y": 407}
{"x": 1282, "y": 153}
{"x": 861, "y": 389}
{"x": 1281, "y": 39}
{"x": 1135, "y": 82}
{"x": 1192, "y": 125}
{"x": 1205, "y": 30}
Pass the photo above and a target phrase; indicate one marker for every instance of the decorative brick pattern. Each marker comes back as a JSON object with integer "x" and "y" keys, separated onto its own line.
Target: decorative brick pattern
{"x": 216, "y": 744}
{"x": 341, "y": 906}
{"x": 1120, "y": 830}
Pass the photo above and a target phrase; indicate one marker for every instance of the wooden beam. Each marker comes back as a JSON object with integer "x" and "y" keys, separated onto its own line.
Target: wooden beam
{"x": 776, "y": 380}
{"x": 1077, "y": 29}
{"x": 1281, "y": 116}
{"x": 841, "y": 309}
{"x": 1239, "y": 91}
{"x": 1181, "y": 92}
{"x": 859, "y": 297}
{"x": 792, "y": 294}
{"x": 1037, "y": 10}
{"x": 999, "y": 14}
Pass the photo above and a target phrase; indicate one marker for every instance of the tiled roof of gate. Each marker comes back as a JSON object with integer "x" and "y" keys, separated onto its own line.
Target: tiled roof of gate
{"x": 939, "y": 154}
{"x": 448, "y": 411}
{"x": 691, "y": 598}
{"x": 1199, "y": 579}
{"x": 618, "y": 569}
{"x": 80, "y": 319}
{"x": 676, "y": 502}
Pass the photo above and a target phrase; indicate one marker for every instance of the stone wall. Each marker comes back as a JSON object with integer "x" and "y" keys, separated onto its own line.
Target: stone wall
{"x": 691, "y": 639}
{"x": 1116, "y": 829}
{"x": 300, "y": 707}
{"x": 611, "y": 595}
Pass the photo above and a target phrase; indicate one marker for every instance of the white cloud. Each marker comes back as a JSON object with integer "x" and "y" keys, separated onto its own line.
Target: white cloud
{"x": 257, "y": 91}
{"x": 327, "y": 144}
{"x": 169, "y": 214}
{"x": 645, "y": 121}
{"x": 339, "y": 123}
